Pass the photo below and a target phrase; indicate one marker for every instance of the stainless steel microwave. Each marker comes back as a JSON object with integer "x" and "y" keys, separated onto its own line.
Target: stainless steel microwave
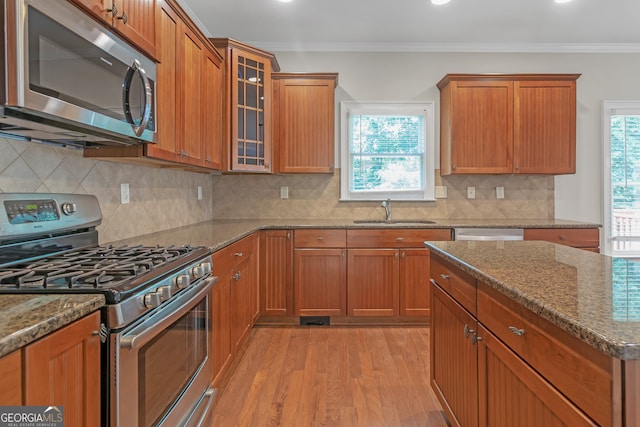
{"x": 70, "y": 81}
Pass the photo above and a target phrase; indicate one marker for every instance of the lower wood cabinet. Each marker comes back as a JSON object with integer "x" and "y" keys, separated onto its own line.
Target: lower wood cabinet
{"x": 60, "y": 369}
{"x": 235, "y": 300}
{"x": 491, "y": 366}
{"x": 320, "y": 272}
{"x": 276, "y": 272}
{"x": 372, "y": 282}
{"x": 583, "y": 238}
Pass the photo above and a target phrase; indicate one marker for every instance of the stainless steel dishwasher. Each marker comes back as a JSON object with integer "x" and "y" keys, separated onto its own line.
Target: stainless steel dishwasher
{"x": 488, "y": 234}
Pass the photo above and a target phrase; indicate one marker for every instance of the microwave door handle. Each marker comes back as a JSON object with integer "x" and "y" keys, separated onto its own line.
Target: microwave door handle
{"x": 134, "y": 69}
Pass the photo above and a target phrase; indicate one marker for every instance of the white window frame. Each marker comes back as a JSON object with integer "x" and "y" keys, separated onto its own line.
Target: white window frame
{"x": 372, "y": 107}
{"x": 610, "y": 108}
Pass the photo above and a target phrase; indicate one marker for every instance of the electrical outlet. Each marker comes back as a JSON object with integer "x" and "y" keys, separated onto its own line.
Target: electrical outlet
{"x": 499, "y": 192}
{"x": 199, "y": 192}
{"x": 124, "y": 194}
{"x": 441, "y": 192}
{"x": 471, "y": 192}
{"x": 284, "y": 192}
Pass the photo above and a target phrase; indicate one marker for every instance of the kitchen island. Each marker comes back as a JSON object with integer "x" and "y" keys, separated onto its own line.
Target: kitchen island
{"x": 544, "y": 324}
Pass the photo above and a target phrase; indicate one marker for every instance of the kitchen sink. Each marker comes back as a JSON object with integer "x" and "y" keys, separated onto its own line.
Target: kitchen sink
{"x": 393, "y": 221}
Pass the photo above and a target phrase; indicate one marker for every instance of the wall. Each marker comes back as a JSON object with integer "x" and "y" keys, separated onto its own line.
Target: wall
{"x": 160, "y": 198}
{"x": 413, "y": 77}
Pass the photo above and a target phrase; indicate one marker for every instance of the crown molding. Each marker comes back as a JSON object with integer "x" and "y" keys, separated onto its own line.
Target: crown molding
{"x": 449, "y": 47}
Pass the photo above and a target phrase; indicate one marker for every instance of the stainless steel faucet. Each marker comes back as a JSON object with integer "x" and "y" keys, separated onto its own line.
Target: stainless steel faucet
{"x": 386, "y": 204}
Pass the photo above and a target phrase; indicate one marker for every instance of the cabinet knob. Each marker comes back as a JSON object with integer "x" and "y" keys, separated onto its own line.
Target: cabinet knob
{"x": 113, "y": 10}
{"x": 237, "y": 276}
{"x": 475, "y": 338}
{"x": 468, "y": 331}
{"x": 517, "y": 167}
{"x": 516, "y": 331}
{"x": 445, "y": 276}
{"x": 123, "y": 17}
{"x": 238, "y": 254}
{"x": 454, "y": 167}
{"x": 562, "y": 237}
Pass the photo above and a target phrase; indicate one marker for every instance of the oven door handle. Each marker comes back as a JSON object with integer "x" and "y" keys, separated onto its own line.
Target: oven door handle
{"x": 177, "y": 308}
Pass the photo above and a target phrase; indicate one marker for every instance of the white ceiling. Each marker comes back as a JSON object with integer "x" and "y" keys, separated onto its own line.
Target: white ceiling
{"x": 417, "y": 25}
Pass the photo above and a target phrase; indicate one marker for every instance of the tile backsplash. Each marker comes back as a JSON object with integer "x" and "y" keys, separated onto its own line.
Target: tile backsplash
{"x": 317, "y": 196}
{"x": 160, "y": 199}
{"x": 164, "y": 198}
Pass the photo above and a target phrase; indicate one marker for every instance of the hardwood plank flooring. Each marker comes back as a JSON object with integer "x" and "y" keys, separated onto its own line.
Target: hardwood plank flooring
{"x": 331, "y": 376}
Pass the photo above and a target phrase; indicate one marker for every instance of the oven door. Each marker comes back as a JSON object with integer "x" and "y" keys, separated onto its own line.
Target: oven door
{"x": 163, "y": 369}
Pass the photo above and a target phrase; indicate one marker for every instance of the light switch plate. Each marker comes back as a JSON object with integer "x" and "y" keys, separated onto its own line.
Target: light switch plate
{"x": 441, "y": 192}
{"x": 284, "y": 192}
{"x": 499, "y": 192}
{"x": 199, "y": 192}
{"x": 124, "y": 194}
{"x": 471, "y": 192}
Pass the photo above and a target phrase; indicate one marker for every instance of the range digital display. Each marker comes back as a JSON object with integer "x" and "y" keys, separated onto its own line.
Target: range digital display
{"x": 27, "y": 211}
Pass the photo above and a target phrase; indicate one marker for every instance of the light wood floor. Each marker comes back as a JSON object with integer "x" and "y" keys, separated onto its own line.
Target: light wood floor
{"x": 331, "y": 376}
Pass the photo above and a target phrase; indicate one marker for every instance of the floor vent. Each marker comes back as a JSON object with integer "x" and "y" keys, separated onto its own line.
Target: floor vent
{"x": 314, "y": 321}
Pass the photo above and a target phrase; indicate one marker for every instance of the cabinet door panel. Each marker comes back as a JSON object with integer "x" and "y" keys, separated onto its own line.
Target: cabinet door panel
{"x": 136, "y": 20}
{"x": 320, "y": 282}
{"x": 191, "y": 111}
{"x": 545, "y": 127}
{"x": 482, "y": 129}
{"x": 212, "y": 111}
{"x": 305, "y": 127}
{"x": 372, "y": 279}
{"x": 221, "y": 350}
{"x": 414, "y": 282}
{"x": 63, "y": 369}
{"x": 454, "y": 367}
{"x": 276, "y": 273}
{"x": 510, "y": 392}
{"x": 11, "y": 379}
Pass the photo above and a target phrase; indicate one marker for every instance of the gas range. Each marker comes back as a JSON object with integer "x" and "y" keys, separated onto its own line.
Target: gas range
{"x": 48, "y": 244}
{"x": 156, "y": 364}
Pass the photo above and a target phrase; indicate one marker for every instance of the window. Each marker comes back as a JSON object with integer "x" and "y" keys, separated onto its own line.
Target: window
{"x": 387, "y": 151}
{"x": 622, "y": 178}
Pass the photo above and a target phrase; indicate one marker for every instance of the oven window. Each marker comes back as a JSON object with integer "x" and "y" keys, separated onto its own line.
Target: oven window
{"x": 168, "y": 363}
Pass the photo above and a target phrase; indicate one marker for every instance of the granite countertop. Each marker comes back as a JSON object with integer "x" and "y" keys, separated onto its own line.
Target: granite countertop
{"x": 217, "y": 234}
{"x": 594, "y": 297}
{"x": 25, "y": 318}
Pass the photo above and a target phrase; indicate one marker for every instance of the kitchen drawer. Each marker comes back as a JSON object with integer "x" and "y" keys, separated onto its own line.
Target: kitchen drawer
{"x": 579, "y": 371}
{"x": 576, "y": 237}
{"x": 457, "y": 283}
{"x": 320, "y": 238}
{"x": 395, "y": 237}
{"x": 227, "y": 258}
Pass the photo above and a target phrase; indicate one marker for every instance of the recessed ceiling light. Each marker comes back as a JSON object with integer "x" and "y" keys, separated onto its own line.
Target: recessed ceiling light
{"x": 439, "y": 2}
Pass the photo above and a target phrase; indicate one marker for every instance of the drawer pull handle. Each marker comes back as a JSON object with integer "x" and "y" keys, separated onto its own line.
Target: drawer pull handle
{"x": 320, "y": 238}
{"x": 562, "y": 237}
{"x": 399, "y": 239}
{"x": 516, "y": 331}
{"x": 238, "y": 254}
{"x": 445, "y": 276}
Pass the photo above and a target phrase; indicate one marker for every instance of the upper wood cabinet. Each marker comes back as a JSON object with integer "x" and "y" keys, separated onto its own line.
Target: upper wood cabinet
{"x": 189, "y": 101}
{"x": 133, "y": 19}
{"x": 508, "y": 123}
{"x": 248, "y": 107}
{"x": 304, "y": 116}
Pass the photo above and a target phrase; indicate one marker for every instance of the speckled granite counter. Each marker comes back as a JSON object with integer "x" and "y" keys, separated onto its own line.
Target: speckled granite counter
{"x": 219, "y": 233}
{"x": 25, "y": 318}
{"x": 593, "y": 297}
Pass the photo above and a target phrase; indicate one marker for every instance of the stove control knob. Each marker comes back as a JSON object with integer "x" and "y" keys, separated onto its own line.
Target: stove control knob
{"x": 182, "y": 281}
{"x": 201, "y": 270}
{"x": 152, "y": 299}
{"x": 68, "y": 208}
{"x": 165, "y": 292}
